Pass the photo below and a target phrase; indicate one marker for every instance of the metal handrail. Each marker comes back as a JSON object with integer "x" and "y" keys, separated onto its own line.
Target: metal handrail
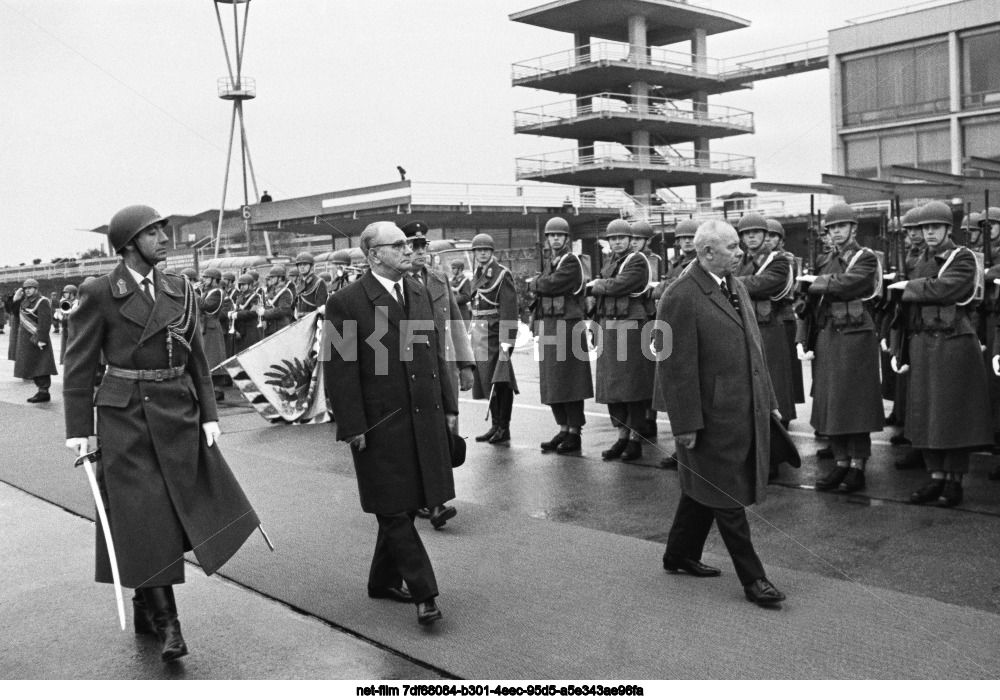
{"x": 897, "y": 11}
{"x": 522, "y": 195}
{"x": 607, "y": 155}
{"x": 608, "y": 104}
{"x": 777, "y": 56}
{"x": 608, "y": 52}
{"x": 246, "y": 87}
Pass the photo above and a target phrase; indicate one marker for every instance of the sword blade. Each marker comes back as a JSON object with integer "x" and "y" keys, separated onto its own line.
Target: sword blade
{"x": 102, "y": 516}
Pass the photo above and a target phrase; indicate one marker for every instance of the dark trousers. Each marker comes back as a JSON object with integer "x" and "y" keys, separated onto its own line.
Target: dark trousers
{"x": 690, "y": 530}
{"x": 43, "y": 382}
{"x": 569, "y": 413}
{"x": 631, "y": 415}
{"x": 400, "y": 556}
{"x": 951, "y": 461}
{"x": 851, "y": 446}
{"x": 501, "y": 404}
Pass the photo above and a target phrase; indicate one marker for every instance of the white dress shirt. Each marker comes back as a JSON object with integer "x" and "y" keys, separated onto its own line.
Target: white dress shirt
{"x": 390, "y": 285}
{"x": 139, "y": 278}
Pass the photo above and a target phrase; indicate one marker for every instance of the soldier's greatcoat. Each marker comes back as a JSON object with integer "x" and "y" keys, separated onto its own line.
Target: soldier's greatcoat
{"x": 715, "y": 383}
{"x": 494, "y": 321}
{"x": 312, "y": 296}
{"x": 248, "y": 330}
{"x": 450, "y": 325}
{"x": 212, "y": 305}
{"x": 948, "y": 404}
{"x": 765, "y": 276}
{"x": 462, "y": 287}
{"x": 563, "y": 359}
{"x": 36, "y": 322}
{"x": 279, "y": 311}
{"x": 625, "y": 366}
{"x": 14, "y": 309}
{"x": 847, "y": 394}
{"x": 399, "y": 405}
{"x": 165, "y": 490}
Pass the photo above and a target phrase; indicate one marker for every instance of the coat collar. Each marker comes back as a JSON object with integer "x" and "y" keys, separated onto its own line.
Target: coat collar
{"x": 848, "y": 251}
{"x": 379, "y": 296}
{"x": 710, "y": 287}
{"x": 944, "y": 251}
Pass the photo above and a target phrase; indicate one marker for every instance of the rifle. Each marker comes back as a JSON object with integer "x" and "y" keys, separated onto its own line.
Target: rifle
{"x": 987, "y": 228}
{"x": 663, "y": 248}
{"x": 900, "y": 311}
{"x": 808, "y": 307}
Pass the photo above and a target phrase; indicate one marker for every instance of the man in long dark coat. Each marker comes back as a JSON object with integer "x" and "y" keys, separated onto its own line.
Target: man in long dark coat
{"x": 212, "y": 307}
{"x": 625, "y": 365}
{"x": 847, "y": 388}
{"x": 493, "y": 332}
{"x": 245, "y": 317}
{"x": 165, "y": 485}
{"x": 784, "y": 310}
{"x": 462, "y": 287}
{"x": 947, "y": 415}
{"x": 395, "y": 405}
{"x": 279, "y": 301}
{"x": 719, "y": 399}
{"x": 312, "y": 293}
{"x": 34, "y": 359}
{"x": 563, "y": 359}
{"x": 69, "y": 299}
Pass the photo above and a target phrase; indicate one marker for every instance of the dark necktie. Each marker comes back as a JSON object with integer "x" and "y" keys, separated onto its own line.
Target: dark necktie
{"x": 416, "y": 277}
{"x": 147, "y": 287}
{"x": 733, "y": 298}
{"x": 398, "y": 287}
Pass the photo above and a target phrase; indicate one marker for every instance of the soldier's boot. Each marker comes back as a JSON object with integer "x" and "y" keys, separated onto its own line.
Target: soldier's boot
{"x": 552, "y": 444}
{"x": 485, "y": 437}
{"x": 633, "y": 451}
{"x": 928, "y": 492}
{"x": 41, "y": 397}
{"x": 951, "y": 496}
{"x": 570, "y": 444}
{"x": 855, "y": 480}
{"x": 501, "y": 435}
{"x": 833, "y": 479}
{"x": 163, "y": 612}
{"x": 825, "y": 453}
{"x": 140, "y": 615}
{"x": 616, "y": 450}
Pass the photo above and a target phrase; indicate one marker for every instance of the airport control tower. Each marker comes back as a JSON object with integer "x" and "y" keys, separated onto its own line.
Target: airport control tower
{"x": 639, "y": 113}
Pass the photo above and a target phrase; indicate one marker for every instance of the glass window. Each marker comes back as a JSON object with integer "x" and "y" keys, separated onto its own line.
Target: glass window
{"x": 896, "y": 84}
{"x": 982, "y": 139}
{"x": 898, "y": 149}
{"x": 934, "y": 150}
{"x": 862, "y": 157}
{"x": 859, "y": 89}
{"x": 981, "y": 79}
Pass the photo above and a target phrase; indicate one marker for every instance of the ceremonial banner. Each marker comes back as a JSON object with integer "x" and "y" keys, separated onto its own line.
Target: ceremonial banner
{"x": 281, "y": 377}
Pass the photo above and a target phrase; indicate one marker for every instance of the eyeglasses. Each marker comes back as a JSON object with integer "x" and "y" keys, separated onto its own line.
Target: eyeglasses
{"x": 398, "y": 245}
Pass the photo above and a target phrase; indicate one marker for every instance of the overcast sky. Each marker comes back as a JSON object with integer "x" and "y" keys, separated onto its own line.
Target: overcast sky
{"x": 107, "y": 103}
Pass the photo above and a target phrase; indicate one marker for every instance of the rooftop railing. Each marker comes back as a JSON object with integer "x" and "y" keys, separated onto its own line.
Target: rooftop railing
{"x": 895, "y": 12}
{"x": 521, "y": 195}
{"x": 611, "y": 155}
{"x": 778, "y": 56}
{"x": 608, "y": 52}
{"x": 616, "y": 104}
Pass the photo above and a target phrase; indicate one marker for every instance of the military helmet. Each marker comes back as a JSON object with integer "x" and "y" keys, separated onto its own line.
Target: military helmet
{"x": 70, "y": 289}
{"x": 641, "y": 229}
{"x": 277, "y": 271}
{"x": 557, "y": 224}
{"x": 212, "y": 273}
{"x": 483, "y": 240}
{"x": 911, "y": 218}
{"x": 972, "y": 221}
{"x": 936, "y": 213}
{"x": 838, "y": 214}
{"x": 751, "y": 221}
{"x": 686, "y": 228}
{"x": 30, "y": 282}
{"x": 190, "y": 273}
{"x": 89, "y": 279}
{"x": 254, "y": 274}
{"x": 130, "y": 221}
{"x": 304, "y": 259}
{"x": 415, "y": 229}
{"x": 341, "y": 257}
{"x": 245, "y": 278}
{"x": 993, "y": 215}
{"x": 774, "y": 226}
{"x": 229, "y": 276}
{"x": 325, "y": 276}
{"x": 618, "y": 227}
{"x": 292, "y": 272}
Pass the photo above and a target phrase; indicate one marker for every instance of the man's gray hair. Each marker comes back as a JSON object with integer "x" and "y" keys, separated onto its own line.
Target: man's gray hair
{"x": 371, "y": 232}
{"x": 711, "y": 234}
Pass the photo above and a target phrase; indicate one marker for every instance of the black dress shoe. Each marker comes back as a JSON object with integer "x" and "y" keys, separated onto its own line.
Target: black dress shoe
{"x": 570, "y": 444}
{"x": 40, "y": 397}
{"x": 914, "y": 459}
{"x": 669, "y": 462}
{"x": 442, "y": 514}
{"x": 501, "y": 435}
{"x": 633, "y": 451}
{"x": 832, "y": 480}
{"x": 695, "y": 568}
{"x": 488, "y": 434}
{"x": 423, "y": 512}
{"x": 930, "y": 491}
{"x": 825, "y": 453}
{"x": 995, "y": 474}
{"x": 400, "y": 594}
{"x": 900, "y": 439}
{"x": 648, "y": 430}
{"x": 427, "y": 612}
{"x": 763, "y": 593}
{"x": 855, "y": 481}
{"x": 951, "y": 496}
{"x": 616, "y": 450}
{"x": 552, "y": 444}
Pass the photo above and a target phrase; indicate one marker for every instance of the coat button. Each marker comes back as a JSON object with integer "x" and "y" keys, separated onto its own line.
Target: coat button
{"x": 147, "y": 398}
{"x": 417, "y": 410}
{"x": 413, "y": 377}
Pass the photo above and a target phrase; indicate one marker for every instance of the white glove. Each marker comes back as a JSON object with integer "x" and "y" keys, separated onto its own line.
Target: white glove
{"x": 803, "y": 355}
{"x": 898, "y": 285}
{"x": 507, "y": 347}
{"x": 897, "y": 369}
{"x": 212, "y": 432}
{"x": 806, "y": 278}
{"x": 884, "y": 345}
{"x": 996, "y": 365}
{"x": 997, "y": 281}
{"x": 78, "y": 445}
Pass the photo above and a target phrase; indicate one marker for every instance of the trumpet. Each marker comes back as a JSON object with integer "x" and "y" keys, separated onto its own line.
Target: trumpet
{"x": 66, "y": 305}
{"x": 260, "y": 308}
{"x": 232, "y": 322}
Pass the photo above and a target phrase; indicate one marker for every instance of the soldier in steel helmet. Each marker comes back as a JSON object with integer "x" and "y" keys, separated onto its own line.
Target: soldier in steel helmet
{"x": 641, "y": 233}
{"x": 229, "y": 290}
{"x": 312, "y": 292}
{"x": 563, "y": 359}
{"x": 989, "y": 312}
{"x": 34, "y": 359}
{"x": 245, "y": 317}
{"x": 341, "y": 261}
{"x": 625, "y": 366}
{"x": 784, "y": 308}
{"x": 165, "y": 484}
{"x": 493, "y": 332}
{"x": 212, "y": 305}
{"x": 847, "y": 392}
{"x": 278, "y": 309}
{"x": 461, "y": 285}
{"x": 68, "y": 303}
{"x": 947, "y": 412}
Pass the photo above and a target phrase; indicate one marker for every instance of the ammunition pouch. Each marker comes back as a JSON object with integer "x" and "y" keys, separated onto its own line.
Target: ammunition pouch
{"x": 614, "y": 307}
{"x": 765, "y": 310}
{"x": 937, "y": 319}
{"x": 554, "y": 306}
{"x": 847, "y": 314}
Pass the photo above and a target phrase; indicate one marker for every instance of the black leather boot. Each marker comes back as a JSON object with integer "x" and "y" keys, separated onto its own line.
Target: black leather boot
{"x": 140, "y": 615}
{"x": 163, "y": 612}
{"x": 570, "y": 444}
{"x": 633, "y": 451}
{"x": 616, "y": 450}
{"x": 552, "y": 444}
{"x": 501, "y": 435}
{"x": 485, "y": 437}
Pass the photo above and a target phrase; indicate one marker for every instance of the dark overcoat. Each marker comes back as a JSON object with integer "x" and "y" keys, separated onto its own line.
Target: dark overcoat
{"x": 450, "y": 326}
{"x": 312, "y": 296}
{"x": 847, "y": 390}
{"x": 36, "y": 322}
{"x": 279, "y": 311}
{"x": 398, "y": 404}
{"x": 165, "y": 490}
{"x": 14, "y": 309}
{"x": 766, "y": 276}
{"x": 494, "y": 322}
{"x": 247, "y": 324}
{"x": 212, "y": 305}
{"x": 563, "y": 357}
{"x": 948, "y": 402}
{"x": 625, "y": 365}
{"x": 989, "y": 313}
{"x": 715, "y": 383}
{"x": 462, "y": 287}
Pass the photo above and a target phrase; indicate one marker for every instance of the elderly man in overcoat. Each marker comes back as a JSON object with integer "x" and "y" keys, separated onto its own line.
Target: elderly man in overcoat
{"x": 34, "y": 359}
{"x": 389, "y": 385}
{"x": 718, "y": 396}
{"x": 165, "y": 485}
